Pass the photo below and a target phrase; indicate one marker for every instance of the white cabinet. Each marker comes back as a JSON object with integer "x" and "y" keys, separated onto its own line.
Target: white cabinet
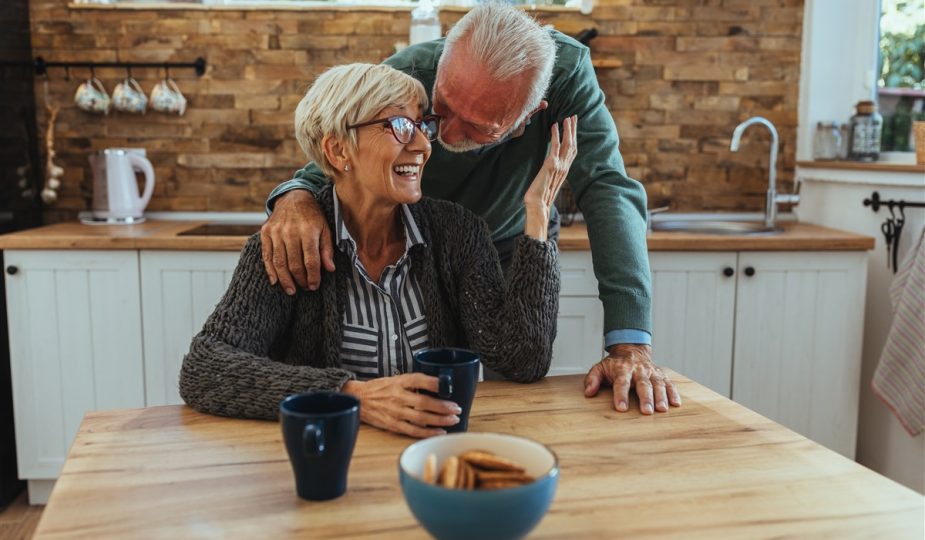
{"x": 75, "y": 346}
{"x": 580, "y": 325}
{"x": 579, "y": 336}
{"x": 779, "y": 332}
{"x": 179, "y": 291}
{"x": 693, "y": 305}
{"x": 799, "y": 320}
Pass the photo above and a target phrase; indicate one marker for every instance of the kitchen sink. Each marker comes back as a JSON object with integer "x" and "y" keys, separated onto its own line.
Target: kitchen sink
{"x": 714, "y": 227}
{"x": 222, "y": 229}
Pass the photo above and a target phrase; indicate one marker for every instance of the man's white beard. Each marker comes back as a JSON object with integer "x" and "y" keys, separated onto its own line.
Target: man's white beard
{"x": 464, "y": 145}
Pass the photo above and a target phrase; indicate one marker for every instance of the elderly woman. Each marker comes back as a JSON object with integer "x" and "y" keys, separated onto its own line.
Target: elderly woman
{"x": 410, "y": 273}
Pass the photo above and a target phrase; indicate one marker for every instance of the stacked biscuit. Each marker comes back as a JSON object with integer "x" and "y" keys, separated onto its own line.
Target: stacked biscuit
{"x": 475, "y": 469}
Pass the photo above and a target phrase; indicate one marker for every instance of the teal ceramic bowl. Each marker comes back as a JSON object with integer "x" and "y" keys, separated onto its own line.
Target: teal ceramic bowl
{"x": 450, "y": 514}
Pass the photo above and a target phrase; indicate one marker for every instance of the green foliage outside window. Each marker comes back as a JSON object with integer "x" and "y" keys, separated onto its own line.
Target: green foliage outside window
{"x": 902, "y": 58}
{"x": 902, "y": 65}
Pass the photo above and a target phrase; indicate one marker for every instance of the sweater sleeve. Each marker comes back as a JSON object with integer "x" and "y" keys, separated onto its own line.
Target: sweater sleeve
{"x": 228, "y": 370}
{"x": 309, "y": 177}
{"x": 510, "y": 321}
{"x": 614, "y": 205}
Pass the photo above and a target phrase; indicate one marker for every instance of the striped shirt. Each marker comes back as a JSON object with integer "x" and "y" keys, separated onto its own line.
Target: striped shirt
{"x": 384, "y": 323}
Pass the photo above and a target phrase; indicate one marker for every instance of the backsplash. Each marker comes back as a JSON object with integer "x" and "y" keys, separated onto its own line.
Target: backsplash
{"x": 691, "y": 70}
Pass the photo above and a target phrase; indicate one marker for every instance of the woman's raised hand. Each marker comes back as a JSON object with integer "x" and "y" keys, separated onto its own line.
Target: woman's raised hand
{"x": 393, "y": 404}
{"x": 542, "y": 192}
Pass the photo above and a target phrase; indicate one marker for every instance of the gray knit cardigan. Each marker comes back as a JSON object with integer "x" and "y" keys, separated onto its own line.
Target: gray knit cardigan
{"x": 261, "y": 345}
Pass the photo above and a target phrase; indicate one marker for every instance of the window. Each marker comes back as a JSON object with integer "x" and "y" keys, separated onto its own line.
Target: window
{"x": 901, "y": 85}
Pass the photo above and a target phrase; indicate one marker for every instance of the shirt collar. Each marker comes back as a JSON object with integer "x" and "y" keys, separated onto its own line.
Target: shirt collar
{"x": 345, "y": 241}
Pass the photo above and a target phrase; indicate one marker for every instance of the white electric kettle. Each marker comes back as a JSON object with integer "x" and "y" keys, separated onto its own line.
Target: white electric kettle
{"x": 115, "y": 189}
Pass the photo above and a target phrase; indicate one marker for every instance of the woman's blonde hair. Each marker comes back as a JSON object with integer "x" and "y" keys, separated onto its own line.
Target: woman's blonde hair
{"x": 350, "y": 94}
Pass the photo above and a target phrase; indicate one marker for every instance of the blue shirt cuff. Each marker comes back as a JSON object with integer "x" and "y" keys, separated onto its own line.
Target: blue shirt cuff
{"x": 627, "y": 336}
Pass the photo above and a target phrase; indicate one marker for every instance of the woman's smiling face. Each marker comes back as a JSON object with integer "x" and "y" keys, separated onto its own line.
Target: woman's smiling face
{"x": 386, "y": 168}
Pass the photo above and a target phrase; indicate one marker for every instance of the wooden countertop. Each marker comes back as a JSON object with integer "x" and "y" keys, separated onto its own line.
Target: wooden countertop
{"x": 163, "y": 235}
{"x": 711, "y": 469}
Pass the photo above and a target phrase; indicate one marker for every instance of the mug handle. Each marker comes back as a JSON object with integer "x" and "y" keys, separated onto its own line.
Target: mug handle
{"x": 134, "y": 84}
{"x": 313, "y": 439}
{"x": 445, "y": 390}
{"x": 173, "y": 86}
{"x": 96, "y": 83}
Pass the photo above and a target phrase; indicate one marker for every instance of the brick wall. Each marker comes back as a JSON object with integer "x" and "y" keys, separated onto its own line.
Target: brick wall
{"x": 692, "y": 69}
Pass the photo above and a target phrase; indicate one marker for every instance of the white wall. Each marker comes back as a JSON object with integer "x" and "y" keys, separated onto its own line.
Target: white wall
{"x": 883, "y": 444}
{"x": 838, "y": 69}
{"x": 838, "y": 64}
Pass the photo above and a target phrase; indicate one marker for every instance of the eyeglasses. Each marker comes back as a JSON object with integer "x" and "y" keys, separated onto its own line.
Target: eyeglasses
{"x": 404, "y": 129}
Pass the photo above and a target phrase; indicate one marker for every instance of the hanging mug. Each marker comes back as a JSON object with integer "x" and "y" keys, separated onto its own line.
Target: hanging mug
{"x": 129, "y": 97}
{"x": 167, "y": 98}
{"x": 92, "y": 97}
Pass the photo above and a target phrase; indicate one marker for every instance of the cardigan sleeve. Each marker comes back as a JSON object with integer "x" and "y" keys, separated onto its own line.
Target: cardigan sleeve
{"x": 228, "y": 370}
{"x": 510, "y": 321}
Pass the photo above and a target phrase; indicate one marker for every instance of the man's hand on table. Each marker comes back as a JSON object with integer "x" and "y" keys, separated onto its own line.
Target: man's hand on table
{"x": 296, "y": 241}
{"x": 630, "y": 366}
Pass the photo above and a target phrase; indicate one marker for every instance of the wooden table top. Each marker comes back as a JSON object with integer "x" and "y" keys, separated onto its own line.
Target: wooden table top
{"x": 709, "y": 469}
{"x": 163, "y": 235}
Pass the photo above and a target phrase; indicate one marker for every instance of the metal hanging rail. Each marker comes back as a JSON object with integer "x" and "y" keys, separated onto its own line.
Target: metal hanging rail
{"x": 41, "y": 65}
{"x": 892, "y": 227}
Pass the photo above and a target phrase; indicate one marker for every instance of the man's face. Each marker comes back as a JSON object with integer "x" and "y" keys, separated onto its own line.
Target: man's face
{"x": 476, "y": 110}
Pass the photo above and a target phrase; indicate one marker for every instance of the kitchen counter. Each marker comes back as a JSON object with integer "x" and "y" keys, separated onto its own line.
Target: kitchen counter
{"x": 711, "y": 469}
{"x": 163, "y": 235}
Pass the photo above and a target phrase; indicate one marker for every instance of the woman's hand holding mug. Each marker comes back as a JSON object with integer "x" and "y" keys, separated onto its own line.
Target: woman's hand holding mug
{"x": 393, "y": 403}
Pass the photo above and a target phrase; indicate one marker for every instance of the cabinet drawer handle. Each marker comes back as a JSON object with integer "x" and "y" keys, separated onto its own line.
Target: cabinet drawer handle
{"x": 749, "y": 271}
{"x": 728, "y": 271}
{"x": 12, "y": 270}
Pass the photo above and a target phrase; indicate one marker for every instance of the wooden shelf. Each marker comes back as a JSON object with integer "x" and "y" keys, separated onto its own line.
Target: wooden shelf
{"x": 606, "y": 63}
{"x": 862, "y": 166}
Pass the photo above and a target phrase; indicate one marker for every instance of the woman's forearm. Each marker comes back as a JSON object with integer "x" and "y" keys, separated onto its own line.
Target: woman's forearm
{"x": 536, "y": 225}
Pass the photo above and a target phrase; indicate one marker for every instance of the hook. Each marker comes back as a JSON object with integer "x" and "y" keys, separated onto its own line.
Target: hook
{"x": 92, "y": 71}
{"x": 902, "y": 210}
{"x": 67, "y": 73}
{"x": 890, "y": 204}
{"x": 128, "y": 71}
{"x": 166, "y": 71}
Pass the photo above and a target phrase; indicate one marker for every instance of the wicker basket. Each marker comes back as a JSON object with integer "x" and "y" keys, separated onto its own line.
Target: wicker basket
{"x": 918, "y": 133}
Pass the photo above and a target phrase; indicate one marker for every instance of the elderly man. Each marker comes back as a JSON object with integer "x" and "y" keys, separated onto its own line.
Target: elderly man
{"x": 500, "y": 81}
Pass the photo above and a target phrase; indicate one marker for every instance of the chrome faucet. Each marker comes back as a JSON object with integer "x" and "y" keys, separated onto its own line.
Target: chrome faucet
{"x": 773, "y": 199}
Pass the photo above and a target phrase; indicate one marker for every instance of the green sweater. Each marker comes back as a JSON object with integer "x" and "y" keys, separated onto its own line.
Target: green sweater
{"x": 491, "y": 182}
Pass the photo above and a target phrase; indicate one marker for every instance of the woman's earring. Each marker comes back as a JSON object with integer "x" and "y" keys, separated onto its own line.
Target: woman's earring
{"x": 346, "y": 167}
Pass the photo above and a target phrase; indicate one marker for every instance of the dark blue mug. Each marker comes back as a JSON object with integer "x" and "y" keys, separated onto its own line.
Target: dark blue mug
{"x": 458, "y": 372}
{"x": 320, "y": 430}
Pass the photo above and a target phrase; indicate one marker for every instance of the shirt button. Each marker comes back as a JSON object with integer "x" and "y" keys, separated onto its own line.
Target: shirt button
{"x": 394, "y": 337}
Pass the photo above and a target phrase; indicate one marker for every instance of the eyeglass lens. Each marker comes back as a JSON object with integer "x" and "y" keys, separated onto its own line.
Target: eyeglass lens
{"x": 404, "y": 128}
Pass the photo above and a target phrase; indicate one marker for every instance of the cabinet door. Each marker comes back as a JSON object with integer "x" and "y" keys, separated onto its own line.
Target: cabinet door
{"x": 580, "y": 325}
{"x": 75, "y": 346}
{"x": 580, "y": 336}
{"x": 693, "y": 303}
{"x": 179, "y": 291}
{"x": 799, "y": 320}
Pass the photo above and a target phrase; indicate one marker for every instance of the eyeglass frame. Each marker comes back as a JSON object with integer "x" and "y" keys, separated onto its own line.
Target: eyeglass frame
{"x": 416, "y": 123}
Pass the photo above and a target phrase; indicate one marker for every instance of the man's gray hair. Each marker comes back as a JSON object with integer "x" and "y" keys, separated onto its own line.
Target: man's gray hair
{"x": 508, "y": 42}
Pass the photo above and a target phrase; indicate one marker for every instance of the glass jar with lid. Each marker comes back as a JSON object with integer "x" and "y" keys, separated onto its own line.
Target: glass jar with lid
{"x": 827, "y": 142}
{"x": 866, "y": 130}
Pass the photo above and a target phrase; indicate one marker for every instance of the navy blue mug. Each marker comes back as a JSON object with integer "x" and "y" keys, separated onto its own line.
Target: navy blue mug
{"x": 320, "y": 430}
{"x": 458, "y": 372}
